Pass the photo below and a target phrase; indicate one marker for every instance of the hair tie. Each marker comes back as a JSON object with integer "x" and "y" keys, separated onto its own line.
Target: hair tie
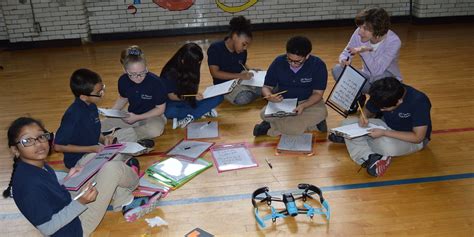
{"x": 135, "y": 52}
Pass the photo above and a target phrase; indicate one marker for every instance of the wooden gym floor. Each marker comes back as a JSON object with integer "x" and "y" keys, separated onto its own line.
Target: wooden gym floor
{"x": 429, "y": 193}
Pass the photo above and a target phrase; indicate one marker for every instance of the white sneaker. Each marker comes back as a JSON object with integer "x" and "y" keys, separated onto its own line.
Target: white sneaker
{"x": 182, "y": 123}
{"x": 175, "y": 123}
{"x": 210, "y": 114}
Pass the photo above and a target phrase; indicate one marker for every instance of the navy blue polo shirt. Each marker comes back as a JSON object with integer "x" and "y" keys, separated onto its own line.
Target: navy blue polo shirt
{"x": 145, "y": 96}
{"x": 227, "y": 61}
{"x": 413, "y": 112}
{"x": 312, "y": 75}
{"x": 80, "y": 126}
{"x": 39, "y": 196}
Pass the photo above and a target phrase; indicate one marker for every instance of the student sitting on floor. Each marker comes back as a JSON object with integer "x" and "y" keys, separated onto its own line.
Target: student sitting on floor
{"x": 79, "y": 135}
{"x": 145, "y": 94}
{"x": 181, "y": 76}
{"x": 44, "y": 201}
{"x": 377, "y": 46}
{"x": 406, "y": 115}
{"x": 303, "y": 76}
{"x": 227, "y": 60}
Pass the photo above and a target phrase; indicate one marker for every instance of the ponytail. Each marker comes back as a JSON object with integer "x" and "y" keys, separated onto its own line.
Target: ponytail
{"x": 8, "y": 191}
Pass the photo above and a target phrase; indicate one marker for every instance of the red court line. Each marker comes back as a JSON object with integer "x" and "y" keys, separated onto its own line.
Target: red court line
{"x": 272, "y": 144}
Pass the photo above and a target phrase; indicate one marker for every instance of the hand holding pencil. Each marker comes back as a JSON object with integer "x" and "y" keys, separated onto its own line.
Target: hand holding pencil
{"x": 277, "y": 97}
{"x": 363, "y": 121}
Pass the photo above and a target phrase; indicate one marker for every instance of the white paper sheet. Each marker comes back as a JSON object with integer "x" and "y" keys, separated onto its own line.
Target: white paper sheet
{"x": 202, "y": 130}
{"x": 301, "y": 143}
{"x": 189, "y": 148}
{"x": 113, "y": 113}
{"x": 233, "y": 158}
{"x": 219, "y": 89}
{"x": 257, "y": 80}
{"x": 354, "y": 130}
{"x": 286, "y": 106}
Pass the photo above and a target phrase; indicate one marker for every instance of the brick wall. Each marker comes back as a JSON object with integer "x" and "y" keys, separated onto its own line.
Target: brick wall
{"x": 59, "y": 19}
{"x": 3, "y": 27}
{"x": 74, "y": 19}
{"x": 441, "y": 8}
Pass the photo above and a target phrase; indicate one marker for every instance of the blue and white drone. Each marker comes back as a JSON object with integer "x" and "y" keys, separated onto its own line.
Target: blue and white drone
{"x": 262, "y": 195}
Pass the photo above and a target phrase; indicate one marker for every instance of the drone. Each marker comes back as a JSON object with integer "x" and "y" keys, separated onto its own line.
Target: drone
{"x": 262, "y": 195}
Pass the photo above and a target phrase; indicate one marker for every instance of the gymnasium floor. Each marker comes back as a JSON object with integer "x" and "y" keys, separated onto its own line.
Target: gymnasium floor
{"x": 428, "y": 193}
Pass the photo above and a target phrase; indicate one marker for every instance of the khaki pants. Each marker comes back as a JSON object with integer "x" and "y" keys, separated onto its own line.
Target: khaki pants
{"x": 361, "y": 147}
{"x": 145, "y": 129}
{"x": 243, "y": 94}
{"x": 115, "y": 183}
{"x": 296, "y": 125}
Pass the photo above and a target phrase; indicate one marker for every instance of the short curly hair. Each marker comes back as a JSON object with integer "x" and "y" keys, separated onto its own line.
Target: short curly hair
{"x": 377, "y": 19}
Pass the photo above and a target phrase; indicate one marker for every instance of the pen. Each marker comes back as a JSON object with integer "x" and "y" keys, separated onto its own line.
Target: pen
{"x": 243, "y": 66}
{"x": 187, "y": 148}
{"x": 268, "y": 163}
{"x": 84, "y": 191}
{"x": 205, "y": 125}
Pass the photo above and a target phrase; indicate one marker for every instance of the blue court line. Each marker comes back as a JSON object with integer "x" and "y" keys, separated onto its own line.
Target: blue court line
{"x": 324, "y": 189}
{"x": 187, "y": 201}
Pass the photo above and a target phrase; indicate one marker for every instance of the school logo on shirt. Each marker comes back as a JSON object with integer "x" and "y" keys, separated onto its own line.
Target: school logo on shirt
{"x": 97, "y": 120}
{"x": 404, "y": 115}
{"x": 306, "y": 80}
{"x": 146, "y": 97}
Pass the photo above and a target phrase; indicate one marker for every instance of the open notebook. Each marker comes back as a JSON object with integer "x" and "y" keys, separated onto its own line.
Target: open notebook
{"x": 257, "y": 80}
{"x": 300, "y": 143}
{"x": 219, "y": 89}
{"x": 354, "y": 130}
{"x": 281, "y": 109}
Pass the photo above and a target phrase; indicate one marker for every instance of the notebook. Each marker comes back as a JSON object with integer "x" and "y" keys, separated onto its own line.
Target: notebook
{"x": 113, "y": 113}
{"x": 354, "y": 130}
{"x": 219, "y": 89}
{"x": 93, "y": 166}
{"x": 232, "y": 157}
{"x": 300, "y": 143}
{"x": 199, "y": 130}
{"x": 189, "y": 149}
{"x": 257, "y": 80}
{"x": 281, "y": 109}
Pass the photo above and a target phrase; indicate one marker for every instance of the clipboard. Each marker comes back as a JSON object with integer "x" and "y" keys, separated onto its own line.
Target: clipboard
{"x": 281, "y": 109}
{"x": 93, "y": 166}
{"x": 346, "y": 90}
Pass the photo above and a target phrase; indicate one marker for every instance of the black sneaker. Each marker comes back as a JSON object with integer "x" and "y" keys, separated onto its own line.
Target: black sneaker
{"x": 134, "y": 164}
{"x": 261, "y": 129}
{"x": 113, "y": 130}
{"x": 322, "y": 126}
{"x": 377, "y": 164}
{"x": 148, "y": 143}
{"x": 335, "y": 138}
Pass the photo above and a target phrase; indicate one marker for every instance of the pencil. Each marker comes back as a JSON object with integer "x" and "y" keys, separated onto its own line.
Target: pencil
{"x": 243, "y": 66}
{"x": 279, "y": 93}
{"x": 362, "y": 111}
{"x": 189, "y": 95}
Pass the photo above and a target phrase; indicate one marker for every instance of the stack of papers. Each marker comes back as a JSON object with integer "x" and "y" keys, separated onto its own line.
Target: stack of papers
{"x": 173, "y": 172}
{"x": 302, "y": 143}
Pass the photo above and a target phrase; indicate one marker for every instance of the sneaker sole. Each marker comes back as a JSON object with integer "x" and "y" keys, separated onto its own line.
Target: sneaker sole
{"x": 136, "y": 213}
{"x": 382, "y": 166}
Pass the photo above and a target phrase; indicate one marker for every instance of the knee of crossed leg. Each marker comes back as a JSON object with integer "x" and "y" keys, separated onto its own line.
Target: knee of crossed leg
{"x": 244, "y": 97}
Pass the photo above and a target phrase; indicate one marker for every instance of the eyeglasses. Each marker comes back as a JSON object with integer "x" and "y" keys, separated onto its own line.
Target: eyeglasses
{"x": 139, "y": 74}
{"x": 295, "y": 62}
{"x": 100, "y": 93}
{"x": 26, "y": 142}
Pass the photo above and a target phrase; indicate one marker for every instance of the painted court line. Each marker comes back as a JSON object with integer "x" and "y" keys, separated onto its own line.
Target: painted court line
{"x": 234, "y": 197}
{"x": 224, "y": 198}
